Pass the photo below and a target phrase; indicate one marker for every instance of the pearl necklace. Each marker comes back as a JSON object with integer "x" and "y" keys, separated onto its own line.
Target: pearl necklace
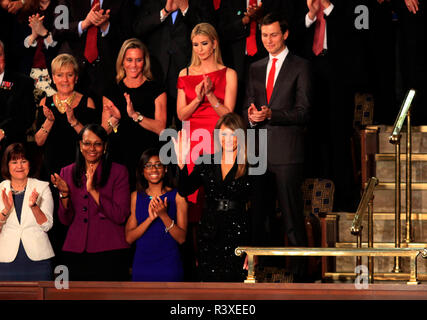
{"x": 62, "y": 104}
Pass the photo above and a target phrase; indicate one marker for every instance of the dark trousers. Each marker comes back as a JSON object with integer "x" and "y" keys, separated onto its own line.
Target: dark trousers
{"x": 99, "y": 266}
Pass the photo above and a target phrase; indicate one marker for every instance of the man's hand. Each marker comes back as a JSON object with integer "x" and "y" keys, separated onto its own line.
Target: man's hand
{"x": 255, "y": 115}
{"x": 412, "y": 5}
{"x": 325, "y": 4}
{"x": 313, "y": 8}
{"x": 182, "y": 5}
{"x": 171, "y": 6}
{"x": 14, "y": 6}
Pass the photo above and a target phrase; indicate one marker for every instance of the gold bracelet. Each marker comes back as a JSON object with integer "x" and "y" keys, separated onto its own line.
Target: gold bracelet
{"x": 170, "y": 227}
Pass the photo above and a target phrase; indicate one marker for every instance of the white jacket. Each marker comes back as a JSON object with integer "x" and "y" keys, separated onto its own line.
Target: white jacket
{"x": 34, "y": 236}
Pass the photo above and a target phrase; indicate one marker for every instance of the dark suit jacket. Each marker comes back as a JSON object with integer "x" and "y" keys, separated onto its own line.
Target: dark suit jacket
{"x": 17, "y": 107}
{"x": 170, "y": 44}
{"x": 108, "y": 46}
{"x": 290, "y": 103}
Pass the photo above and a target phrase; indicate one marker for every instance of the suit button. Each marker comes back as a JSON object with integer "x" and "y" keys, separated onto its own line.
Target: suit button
{"x": 85, "y": 196}
{"x": 84, "y": 209}
{"x": 85, "y": 220}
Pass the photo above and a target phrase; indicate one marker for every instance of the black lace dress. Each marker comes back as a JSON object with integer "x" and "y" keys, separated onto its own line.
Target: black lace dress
{"x": 224, "y": 224}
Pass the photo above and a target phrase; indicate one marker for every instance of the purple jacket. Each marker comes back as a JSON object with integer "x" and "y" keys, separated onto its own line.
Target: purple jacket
{"x": 94, "y": 228}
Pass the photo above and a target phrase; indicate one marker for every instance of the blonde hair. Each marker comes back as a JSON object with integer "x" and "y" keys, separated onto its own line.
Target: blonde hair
{"x": 133, "y": 43}
{"x": 234, "y": 122}
{"x": 209, "y": 31}
{"x": 62, "y": 60}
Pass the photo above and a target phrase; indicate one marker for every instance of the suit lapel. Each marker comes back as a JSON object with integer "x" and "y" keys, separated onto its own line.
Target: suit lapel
{"x": 284, "y": 74}
{"x": 262, "y": 72}
{"x": 25, "y": 209}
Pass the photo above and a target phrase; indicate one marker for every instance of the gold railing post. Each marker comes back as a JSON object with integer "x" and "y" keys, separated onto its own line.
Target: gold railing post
{"x": 397, "y": 260}
{"x": 409, "y": 236}
{"x": 359, "y": 245}
{"x": 371, "y": 238}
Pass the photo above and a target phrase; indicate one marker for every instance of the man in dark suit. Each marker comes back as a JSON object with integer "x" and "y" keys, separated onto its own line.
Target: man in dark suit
{"x": 278, "y": 98}
{"x": 96, "y": 32}
{"x": 17, "y": 107}
{"x": 238, "y": 21}
{"x": 165, "y": 26}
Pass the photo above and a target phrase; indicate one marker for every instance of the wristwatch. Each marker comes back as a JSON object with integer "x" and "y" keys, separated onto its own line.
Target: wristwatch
{"x": 139, "y": 118}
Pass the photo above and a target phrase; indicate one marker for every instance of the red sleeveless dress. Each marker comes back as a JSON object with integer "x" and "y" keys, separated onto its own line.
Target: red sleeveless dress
{"x": 204, "y": 117}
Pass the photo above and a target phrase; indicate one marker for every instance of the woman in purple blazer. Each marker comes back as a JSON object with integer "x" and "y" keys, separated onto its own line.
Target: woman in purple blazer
{"x": 94, "y": 203}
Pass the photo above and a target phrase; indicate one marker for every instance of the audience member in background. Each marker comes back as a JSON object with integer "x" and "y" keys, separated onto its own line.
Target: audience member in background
{"x": 134, "y": 108}
{"x": 206, "y": 91}
{"x": 17, "y": 110}
{"x": 94, "y": 203}
{"x": 96, "y": 30}
{"x": 61, "y": 117}
{"x": 224, "y": 223}
{"x": 25, "y": 217}
{"x": 165, "y": 26}
{"x": 40, "y": 46}
{"x": 158, "y": 223}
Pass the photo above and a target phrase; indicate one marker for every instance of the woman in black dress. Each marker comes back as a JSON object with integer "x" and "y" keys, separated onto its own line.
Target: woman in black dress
{"x": 224, "y": 222}
{"x": 134, "y": 110}
{"x": 61, "y": 117}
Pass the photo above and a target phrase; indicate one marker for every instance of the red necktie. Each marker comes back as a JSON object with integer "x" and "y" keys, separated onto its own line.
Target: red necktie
{"x": 319, "y": 33}
{"x": 251, "y": 48}
{"x": 270, "y": 81}
{"x": 216, "y": 4}
{"x": 91, "y": 48}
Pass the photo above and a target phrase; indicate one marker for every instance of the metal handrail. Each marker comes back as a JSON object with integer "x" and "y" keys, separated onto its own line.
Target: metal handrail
{"x": 404, "y": 113}
{"x": 356, "y": 227}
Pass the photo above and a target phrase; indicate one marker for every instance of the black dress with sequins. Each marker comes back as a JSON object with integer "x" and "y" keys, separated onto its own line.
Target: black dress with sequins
{"x": 224, "y": 224}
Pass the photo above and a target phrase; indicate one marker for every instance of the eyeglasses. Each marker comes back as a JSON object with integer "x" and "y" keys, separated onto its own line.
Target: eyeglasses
{"x": 157, "y": 165}
{"x": 92, "y": 144}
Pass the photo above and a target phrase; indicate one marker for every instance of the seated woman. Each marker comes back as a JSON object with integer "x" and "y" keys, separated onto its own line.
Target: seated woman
{"x": 61, "y": 117}
{"x": 158, "y": 223}
{"x": 94, "y": 203}
{"x": 224, "y": 222}
{"x": 25, "y": 217}
{"x": 138, "y": 103}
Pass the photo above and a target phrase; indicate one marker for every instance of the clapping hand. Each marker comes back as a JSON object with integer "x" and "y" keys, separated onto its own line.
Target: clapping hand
{"x": 14, "y": 6}
{"x": 59, "y": 183}
{"x": 159, "y": 207}
{"x": 36, "y": 25}
{"x": 33, "y": 198}
{"x": 90, "y": 172}
{"x": 313, "y": 8}
{"x": 412, "y": 5}
{"x": 7, "y": 201}
{"x": 129, "y": 106}
{"x": 200, "y": 91}
{"x": 207, "y": 85}
{"x": 255, "y": 115}
{"x": 254, "y": 12}
{"x": 181, "y": 147}
{"x": 48, "y": 114}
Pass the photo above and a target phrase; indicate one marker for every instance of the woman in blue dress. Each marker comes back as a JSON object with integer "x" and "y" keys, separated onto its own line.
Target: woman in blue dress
{"x": 158, "y": 223}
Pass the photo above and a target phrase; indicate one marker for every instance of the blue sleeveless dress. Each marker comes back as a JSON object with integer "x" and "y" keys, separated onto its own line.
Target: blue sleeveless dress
{"x": 157, "y": 256}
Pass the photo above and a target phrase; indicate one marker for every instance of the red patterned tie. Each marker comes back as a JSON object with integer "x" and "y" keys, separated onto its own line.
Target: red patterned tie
{"x": 319, "y": 33}
{"x": 216, "y": 4}
{"x": 270, "y": 81}
{"x": 91, "y": 48}
{"x": 251, "y": 48}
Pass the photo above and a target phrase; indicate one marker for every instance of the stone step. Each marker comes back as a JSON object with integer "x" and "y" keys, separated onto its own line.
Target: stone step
{"x": 384, "y": 197}
{"x": 385, "y": 167}
{"x": 419, "y": 139}
{"x": 381, "y": 264}
{"x": 383, "y": 227}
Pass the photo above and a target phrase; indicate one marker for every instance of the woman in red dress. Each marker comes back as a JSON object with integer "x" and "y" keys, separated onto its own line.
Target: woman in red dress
{"x": 206, "y": 91}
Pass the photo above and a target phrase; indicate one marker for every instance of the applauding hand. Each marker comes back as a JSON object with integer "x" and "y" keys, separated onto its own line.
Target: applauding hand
{"x": 181, "y": 147}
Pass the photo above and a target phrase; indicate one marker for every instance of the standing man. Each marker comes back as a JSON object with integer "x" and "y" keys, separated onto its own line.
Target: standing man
{"x": 165, "y": 27}
{"x": 17, "y": 106}
{"x": 278, "y": 98}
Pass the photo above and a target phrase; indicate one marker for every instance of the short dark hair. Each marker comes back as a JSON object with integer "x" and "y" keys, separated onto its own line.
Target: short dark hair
{"x": 273, "y": 17}
{"x": 13, "y": 152}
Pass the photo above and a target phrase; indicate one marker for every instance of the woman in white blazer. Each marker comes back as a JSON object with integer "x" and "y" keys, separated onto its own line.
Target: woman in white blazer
{"x": 26, "y": 208}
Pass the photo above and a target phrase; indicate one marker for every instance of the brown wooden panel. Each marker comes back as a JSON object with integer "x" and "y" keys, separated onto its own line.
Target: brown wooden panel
{"x": 20, "y": 291}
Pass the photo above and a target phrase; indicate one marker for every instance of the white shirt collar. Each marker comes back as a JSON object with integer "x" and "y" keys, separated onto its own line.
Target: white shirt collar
{"x": 1, "y": 77}
{"x": 281, "y": 56}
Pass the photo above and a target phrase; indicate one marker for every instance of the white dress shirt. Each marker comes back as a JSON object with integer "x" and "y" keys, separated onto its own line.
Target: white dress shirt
{"x": 309, "y": 22}
{"x": 79, "y": 26}
{"x": 280, "y": 59}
